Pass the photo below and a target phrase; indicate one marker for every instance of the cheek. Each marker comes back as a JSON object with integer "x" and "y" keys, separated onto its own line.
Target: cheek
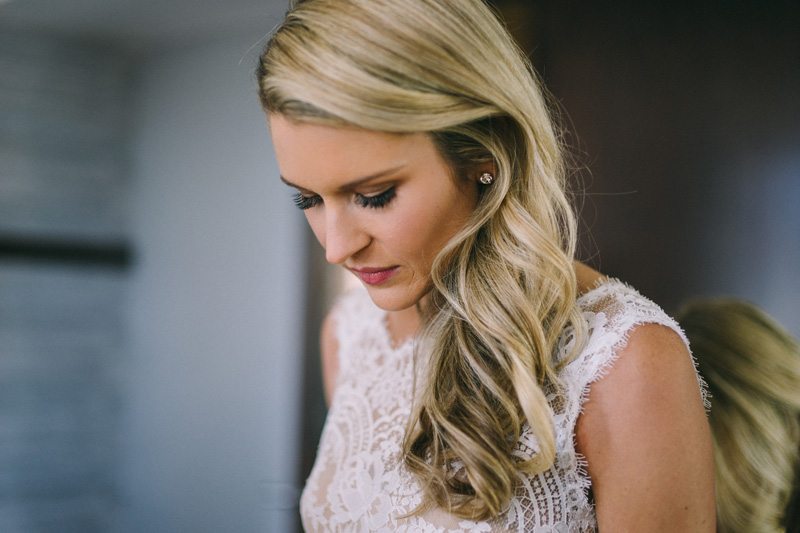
{"x": 421, "y": 232}
{"x": 437, "y": 224}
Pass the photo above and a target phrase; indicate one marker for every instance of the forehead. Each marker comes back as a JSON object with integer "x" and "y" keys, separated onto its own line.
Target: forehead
{"x": 315, "y": 155}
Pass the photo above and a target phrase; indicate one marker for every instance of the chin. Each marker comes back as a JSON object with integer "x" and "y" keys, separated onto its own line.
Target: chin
{"x": 392, "y": 299}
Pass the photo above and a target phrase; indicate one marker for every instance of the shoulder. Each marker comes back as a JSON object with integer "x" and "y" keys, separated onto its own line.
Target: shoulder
{"x": 633, "y": 347}
{"x": 652, "y": 373}
{"x": 329, "y": 350}
{"x": 612, "y": 311}
{"x": 643, "y": 429}
{"x": 617, "y": 306}
{"x": 352, "y": 314}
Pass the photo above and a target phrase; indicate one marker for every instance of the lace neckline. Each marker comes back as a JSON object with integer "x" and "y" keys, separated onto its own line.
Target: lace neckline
{"x": 386, "y": 336}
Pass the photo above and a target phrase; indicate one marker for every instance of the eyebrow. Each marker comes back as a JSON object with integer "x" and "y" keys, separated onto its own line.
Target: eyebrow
{"x": 350, "y": 186}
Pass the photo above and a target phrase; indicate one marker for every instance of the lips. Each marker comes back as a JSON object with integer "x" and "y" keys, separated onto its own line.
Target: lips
{"x": 374, "y": 276}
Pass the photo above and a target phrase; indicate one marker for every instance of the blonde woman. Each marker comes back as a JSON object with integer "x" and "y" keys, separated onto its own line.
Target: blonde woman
{"x": 752, "y": 366}
{"x": 482, "y": 381}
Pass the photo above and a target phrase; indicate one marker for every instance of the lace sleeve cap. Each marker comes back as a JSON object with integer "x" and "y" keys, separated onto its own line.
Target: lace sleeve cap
{"x": 612, "y": 311}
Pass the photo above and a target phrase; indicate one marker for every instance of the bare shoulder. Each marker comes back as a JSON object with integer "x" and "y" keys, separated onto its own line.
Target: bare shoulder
{"x": 586, "y": 277}
{"x": 646, "y": 439}
{"x": 329, "y": 348}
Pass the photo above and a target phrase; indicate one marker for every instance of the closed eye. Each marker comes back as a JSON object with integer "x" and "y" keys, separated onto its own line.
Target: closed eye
{"x": 305, "y": 202}
{"x": 377, "y": 201}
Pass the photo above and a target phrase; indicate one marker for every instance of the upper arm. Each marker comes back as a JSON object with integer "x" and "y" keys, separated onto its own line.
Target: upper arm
{"x": 646, "y": 439}
{"x": 329, "y": 349}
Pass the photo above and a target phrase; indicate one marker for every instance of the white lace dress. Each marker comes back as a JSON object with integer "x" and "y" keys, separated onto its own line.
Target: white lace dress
{"x": 359, "y": 481}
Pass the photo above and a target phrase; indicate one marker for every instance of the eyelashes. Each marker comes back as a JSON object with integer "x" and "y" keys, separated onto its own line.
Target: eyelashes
{"x": 376, "y": 201}
{"x": 305, "y": 202}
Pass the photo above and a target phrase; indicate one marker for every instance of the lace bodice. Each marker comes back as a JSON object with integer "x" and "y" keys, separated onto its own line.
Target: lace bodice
{"x": 359, "y": 481}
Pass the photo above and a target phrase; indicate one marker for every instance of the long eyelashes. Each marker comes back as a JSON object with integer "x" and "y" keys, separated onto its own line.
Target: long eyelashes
{"x": 305, "y": 202}
{"x": 376, "y": 202}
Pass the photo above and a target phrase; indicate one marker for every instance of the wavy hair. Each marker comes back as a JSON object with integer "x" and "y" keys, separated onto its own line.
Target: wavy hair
{"x": 504, "y": 288}
{"x": 752, "y": 366}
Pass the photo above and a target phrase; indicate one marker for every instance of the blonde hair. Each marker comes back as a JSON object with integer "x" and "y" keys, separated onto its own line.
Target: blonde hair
{"x": 504, "y": 288}
{"x": 752, "y": 366}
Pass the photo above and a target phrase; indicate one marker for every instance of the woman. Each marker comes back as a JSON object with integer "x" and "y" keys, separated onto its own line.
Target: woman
{"x": 753, "y": 369}
{"x": 483, "y": 381}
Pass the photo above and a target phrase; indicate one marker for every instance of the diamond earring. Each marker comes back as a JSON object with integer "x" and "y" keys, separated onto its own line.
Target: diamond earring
{"x": 486, "y": 178}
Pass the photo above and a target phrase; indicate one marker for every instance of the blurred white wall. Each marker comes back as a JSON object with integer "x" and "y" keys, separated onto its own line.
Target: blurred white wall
{"x": 209, "y": 439}
{"x": 208, "y": 383}
{"x": 751, "y": 232}
{"x": 63, "y": 253}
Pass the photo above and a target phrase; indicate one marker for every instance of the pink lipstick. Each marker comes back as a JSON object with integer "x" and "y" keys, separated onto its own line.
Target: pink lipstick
{"x": 374, "y": 276}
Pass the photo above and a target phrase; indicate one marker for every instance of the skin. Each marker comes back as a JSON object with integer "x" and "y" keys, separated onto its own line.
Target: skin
{"x": 429, "y": 207}
{"x": 646, "y": 439}
{"x": 643, "y": 431}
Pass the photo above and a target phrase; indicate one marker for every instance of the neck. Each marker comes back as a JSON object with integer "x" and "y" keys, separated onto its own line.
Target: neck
{"x": 406, "y": 322}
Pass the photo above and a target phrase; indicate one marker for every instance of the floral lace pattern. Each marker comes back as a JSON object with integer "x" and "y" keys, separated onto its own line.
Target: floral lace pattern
{"x": 359, "y": 481}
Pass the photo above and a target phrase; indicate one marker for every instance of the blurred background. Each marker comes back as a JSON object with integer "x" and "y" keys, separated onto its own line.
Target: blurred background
{"x": 160, "y": 296}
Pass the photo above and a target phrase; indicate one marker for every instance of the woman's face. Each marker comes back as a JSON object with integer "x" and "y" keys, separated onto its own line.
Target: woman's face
{"x": 382, "y": 205}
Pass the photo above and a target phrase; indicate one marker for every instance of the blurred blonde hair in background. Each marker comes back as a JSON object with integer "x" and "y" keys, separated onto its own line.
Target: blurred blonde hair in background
{"x": 752, "y": 366}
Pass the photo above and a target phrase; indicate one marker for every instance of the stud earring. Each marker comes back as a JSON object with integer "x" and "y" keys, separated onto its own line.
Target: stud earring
{"x": 486, "y": 178}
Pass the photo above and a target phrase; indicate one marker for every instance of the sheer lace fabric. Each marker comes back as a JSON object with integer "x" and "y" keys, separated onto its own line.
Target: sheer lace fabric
{"x": 359, "y": 481}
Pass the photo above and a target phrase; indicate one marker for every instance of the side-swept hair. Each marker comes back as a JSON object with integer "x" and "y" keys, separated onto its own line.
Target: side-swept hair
{"x": 503, "y": 288}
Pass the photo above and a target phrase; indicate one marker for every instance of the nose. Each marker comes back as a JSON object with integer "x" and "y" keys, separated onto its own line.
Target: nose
{"x": 344, "y": 236}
